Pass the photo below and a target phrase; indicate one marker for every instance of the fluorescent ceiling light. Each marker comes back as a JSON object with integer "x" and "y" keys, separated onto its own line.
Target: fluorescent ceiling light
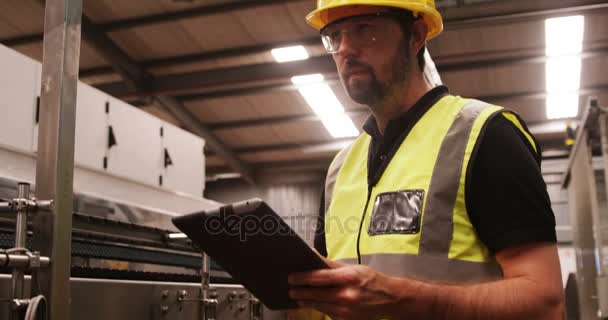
{"x": 177, "y": 236}
{"x": 322, "y": 100}
{"x": 562, "y": 105}
{"x": 307, "y": 79}
{"x": 564, "y": 41}
{"x": 223, "y": 176}
{"x": 563, "y": 74}
{"x": 340, "y": 126}
{"x": 326, "y": 105}
{"x": 287, "y": 54}
{"x": 564, "y": 36}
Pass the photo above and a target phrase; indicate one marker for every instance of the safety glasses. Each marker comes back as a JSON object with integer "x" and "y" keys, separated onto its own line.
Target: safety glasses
{"x": 362, "y": 31}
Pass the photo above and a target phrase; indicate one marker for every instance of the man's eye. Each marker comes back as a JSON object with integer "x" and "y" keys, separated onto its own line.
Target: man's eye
{"x": 363, "y": 27}
{"x": 335, "y": 34}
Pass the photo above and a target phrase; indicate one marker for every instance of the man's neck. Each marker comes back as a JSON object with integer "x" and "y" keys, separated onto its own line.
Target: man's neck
{"x": 411, "y": 93}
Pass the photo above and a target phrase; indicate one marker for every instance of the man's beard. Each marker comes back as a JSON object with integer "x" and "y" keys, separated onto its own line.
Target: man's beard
{"x": 375, "y": 93}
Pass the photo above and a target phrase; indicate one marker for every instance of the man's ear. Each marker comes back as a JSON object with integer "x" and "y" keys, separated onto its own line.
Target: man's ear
{"x": 418, "y": 38}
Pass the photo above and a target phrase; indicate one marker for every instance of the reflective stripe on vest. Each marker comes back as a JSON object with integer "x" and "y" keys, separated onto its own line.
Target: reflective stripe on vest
{"x": 432, "y": 161}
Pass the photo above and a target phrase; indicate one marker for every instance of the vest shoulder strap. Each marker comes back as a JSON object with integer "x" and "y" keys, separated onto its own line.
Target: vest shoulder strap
{"x": 332, "y": 174}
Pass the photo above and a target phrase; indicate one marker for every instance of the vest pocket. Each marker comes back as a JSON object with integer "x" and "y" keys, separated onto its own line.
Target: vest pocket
{"x": 397, "y": 212}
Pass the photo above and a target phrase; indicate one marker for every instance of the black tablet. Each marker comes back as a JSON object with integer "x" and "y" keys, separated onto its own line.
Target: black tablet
{"x": 254, "y": 245}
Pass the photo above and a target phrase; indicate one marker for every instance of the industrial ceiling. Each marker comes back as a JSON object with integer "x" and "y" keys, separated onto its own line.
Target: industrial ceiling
{"x": 206, "y": 66}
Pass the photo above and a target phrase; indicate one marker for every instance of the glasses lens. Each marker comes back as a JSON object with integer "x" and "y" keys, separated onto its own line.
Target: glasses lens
{"x": 362, "y": 31}
{"x": 330, "y": 46}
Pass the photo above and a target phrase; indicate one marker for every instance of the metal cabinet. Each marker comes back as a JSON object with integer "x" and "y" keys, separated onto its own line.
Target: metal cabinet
{"x": 19, "y": 89}
{"x": 136, "y": 152}
{"x": 92, "y": 128}
{"x": 184, "y": 161}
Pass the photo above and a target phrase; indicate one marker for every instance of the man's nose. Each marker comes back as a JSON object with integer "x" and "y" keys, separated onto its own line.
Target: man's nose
{"x": 347, "y": 46}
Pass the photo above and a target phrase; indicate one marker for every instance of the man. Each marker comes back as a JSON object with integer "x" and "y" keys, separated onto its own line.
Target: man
{"x": 475, "y": 234}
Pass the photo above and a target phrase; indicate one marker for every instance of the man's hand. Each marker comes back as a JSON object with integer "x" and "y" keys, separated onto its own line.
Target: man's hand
{"x": 346, "y": 292}
{"x": 531, "y": 289}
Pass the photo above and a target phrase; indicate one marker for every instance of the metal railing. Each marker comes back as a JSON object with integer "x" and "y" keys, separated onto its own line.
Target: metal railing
{"x": 20, "y": 259}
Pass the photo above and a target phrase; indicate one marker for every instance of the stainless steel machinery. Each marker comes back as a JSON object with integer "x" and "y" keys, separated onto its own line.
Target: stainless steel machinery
{"x": 585, "y": 180}
{"x": 126, "y": 263}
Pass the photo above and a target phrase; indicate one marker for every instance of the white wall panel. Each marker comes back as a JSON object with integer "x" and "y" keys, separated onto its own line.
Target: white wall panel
{"x": 187, "y": 171}
{"x": 19, "y": 80}
{"x": 137, "y": 154}
{"x": 91, "y": 127}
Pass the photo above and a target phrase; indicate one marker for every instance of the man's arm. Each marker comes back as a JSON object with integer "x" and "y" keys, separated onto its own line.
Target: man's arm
{"x": 531, "y": 289}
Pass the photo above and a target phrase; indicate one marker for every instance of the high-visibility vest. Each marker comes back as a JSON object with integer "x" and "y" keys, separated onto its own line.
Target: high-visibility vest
{"x": 413, "y": 222}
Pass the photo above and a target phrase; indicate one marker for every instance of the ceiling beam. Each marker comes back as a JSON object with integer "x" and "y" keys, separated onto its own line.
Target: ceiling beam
{"x": 160, "y": 18}
{"x": 591, "y": 90}
{"x": 460, "y": 20}
{"x": 518, "y": 58}
{"x": 450, "y": 64}
{"x": 231, "y": 76}
{"x": 223, "y": 93}
{"x": 247, "y": 77}
{"x": 190, "y": 13}
{"x": 139, "y": 78}
{"x": 362, "y": 111}
{"x": 192, "y": 124}
{"x": 515, "y": 11}
{"x": 22, "y": 40}
{"x": 177, "y": 110}
{"x": 552, "y": 148}
{"x": 455, "y": 18}
{"x": 133, "y": 75}
{"x": 230, "y": 125}
{"x": 555, "y": 145}
{"x": 464, "y": 62}
{"x": 313, "y": 146}
{"x": 331, "y": 79}
{"x": 308, "y": 164}
{"x": 334, "y": 145}
{"x": 207, "y": 56}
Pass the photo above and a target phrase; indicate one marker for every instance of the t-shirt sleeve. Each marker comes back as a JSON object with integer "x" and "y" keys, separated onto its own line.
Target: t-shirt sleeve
{"x": 506, "y": 194}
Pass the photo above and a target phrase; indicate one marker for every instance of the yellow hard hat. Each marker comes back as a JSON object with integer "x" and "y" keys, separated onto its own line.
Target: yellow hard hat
{"x": 329, "y": 11}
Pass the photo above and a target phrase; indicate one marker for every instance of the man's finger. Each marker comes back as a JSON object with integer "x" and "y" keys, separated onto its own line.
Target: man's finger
{"x": 329, "y": 295}
{"x": 322, "y": 278}
{"x": 332, "y": 264}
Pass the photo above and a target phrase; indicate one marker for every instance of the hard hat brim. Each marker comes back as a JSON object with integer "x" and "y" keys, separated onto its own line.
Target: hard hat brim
{"x": 322, "y": 17}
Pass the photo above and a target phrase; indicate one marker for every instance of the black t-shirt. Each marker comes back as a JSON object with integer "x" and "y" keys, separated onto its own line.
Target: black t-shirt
{"x": 506, "y": 195}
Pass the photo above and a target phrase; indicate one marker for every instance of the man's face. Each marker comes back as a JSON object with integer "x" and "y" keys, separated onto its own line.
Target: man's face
{"x": 373, "y": 57}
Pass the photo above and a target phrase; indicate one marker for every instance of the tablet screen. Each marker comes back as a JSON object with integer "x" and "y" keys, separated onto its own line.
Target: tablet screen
{"x": 254, "y": 245}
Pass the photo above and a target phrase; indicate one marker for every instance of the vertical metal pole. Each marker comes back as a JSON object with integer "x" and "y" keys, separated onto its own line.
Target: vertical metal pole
{"x": 208, "y": 303}
{"x": 20, "y": 238}
{"x": 600, "y": 221}
{"x": 205, "y": 275}
{"x": 582, "y": 197}
{"x": 597, "y": 221}
{"x": 55, "y": 166}
{"x": 23, "y": 192}
{"x": 204, "y": 285}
